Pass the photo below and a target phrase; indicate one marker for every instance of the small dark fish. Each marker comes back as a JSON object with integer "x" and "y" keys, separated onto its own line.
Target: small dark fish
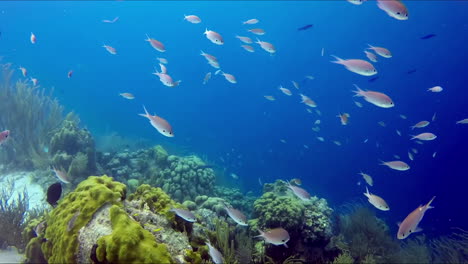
{"x": 411, "y": 71}
{"x": 53, "y": 193}
{"x": 428, "y": 36}
{"x": 305, "y": 27}
{"x": 373, "y": 79}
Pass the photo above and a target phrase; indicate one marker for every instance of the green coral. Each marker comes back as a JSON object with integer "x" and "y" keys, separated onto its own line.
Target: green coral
{"x": 89, "y": 196}
{"x": 155, "y": 198}
{"x": 343, "y": 258}
{"x": 129, "y": 242}
{"x": 73, "y": 148}
{"x": 193, "y": 257}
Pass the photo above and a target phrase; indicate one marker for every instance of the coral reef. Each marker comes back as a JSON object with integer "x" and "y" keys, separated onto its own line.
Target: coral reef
{"x": 73, "y": 212}
{"x": 129, "y": 242}
{"x": 13, "y": 218}
{"x": 308, "y": 223}
{"x": 73, "y": 149}
{"x": 183, "y": 178}
{"x": 32, "y": 115}
{"x": 236, "y": 198}
{"x": 155, "y": 199}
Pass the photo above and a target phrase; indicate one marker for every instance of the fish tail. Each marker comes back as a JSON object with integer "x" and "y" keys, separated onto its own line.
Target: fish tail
{"x": 338, "y": 60}
{"x": 261, "y": 233}
{"x": 367, "y": 193}
{"x": 428, "y": 205}
{"x": 382, "y": 162}
{"x": 147, "y": 37}
{"x": 146, "y": 114}
{"x": 358, "y": 92}
{"x": 370, "y": 46}
{"x": 413, "y": 137}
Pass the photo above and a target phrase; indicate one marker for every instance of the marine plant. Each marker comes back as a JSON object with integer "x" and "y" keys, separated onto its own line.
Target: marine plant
{"x": 32, "y": 114}
{"x": 13, "y": 217}
{"x": 452, "y": 248}
{"x": 363, "y": 234}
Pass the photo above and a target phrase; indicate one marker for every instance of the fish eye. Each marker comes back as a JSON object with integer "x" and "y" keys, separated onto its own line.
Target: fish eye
{"x": 398, "y": 13}
{"x": 164, "y": 130}
{"x": 282, "y": 240}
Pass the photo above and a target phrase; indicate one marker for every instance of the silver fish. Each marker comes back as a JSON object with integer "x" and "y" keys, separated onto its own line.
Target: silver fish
{"x": 215, "y": 255}
{"x": 184, "y": 214}
{"x": 299, "y": 192}
{"x": 236, "y": 215}
{"x": 277, "y": 236}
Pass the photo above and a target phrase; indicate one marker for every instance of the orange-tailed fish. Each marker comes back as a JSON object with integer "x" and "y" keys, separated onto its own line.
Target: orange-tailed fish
{"x": 411, "y": 222}
{"x": 161, "y": 125}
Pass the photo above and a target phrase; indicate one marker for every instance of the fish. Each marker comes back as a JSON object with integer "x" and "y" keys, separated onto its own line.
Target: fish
{"x": 410, "y": 156}
{"x": 268, "y": 47}
{"x": 110, "y": 21}
{"x": 305, "y": 27}
{"x": 433, "y": 117}
{"x": 269, "y": 97}
{"x": 69, "y": 74}
{"x": 398, "y": 132}
{"x": 396, "y": 156}
{"x": 358, "y": 104}
{"x": 316, "y": 129}
{"x": 415, "y": 151}
{"x": 411, "y": 222}
{"x": 394, "y": 8}
{"x": 381, "y": 51}
{"x": 39, "y": 229}
{"x": 295, "y": 84}
{"x": 419, "y": 142}
{"x": 71, "y": 222}
{"x": 296, "y": 181}
{"x": 373, "y": 79}
{"x": 299, "y": 192}
{"x": 338, "y": 143}
{"x": 428, "y": 36}
{"x": 34, "y": 81}
{"x": 421, "y": 124}
{"x": 322, "y": 53}
{"x": 161, "y": 125}
{"x": 371, "y": 56}
{"x": 307, "y": 101}
{"x": 283, "y": 141}
{"x": 252, "y": 21}
{"x": 286, "y": 91}
{"x": 309, "y": 77}
{"x": 4, "y": 135}
{"x": 234, "y": 176}
{"x": 411, "y": 71}
{"x": 382, "y": 123}
{"x": 157, "y": 45}
{"x": 357, "y": 66}
{"x": 128, "y": 96}
{"x": 62, "y": 175}
{"x": 162, "y": 60}
{"x": 305, "y": 146}
{"x": 184, "y": 214}
{"x": 425, "y": 136}
{"x": 192, "y": 19}
{"x": 236, "y": 215}
{"x": 207, "y": 78}
{"x": 209, "y": 57}
{"x": 403, "y": 117}
{"x": 396, "y": 165}
{"x": 248, "y": 48}
{"x": 367, "y": 178}
{"x": 257, "y": 31}
{"x": 375, "y": 98}
{"x": 53, "y": 193}
{"x": 318, "y": 112}
{"x": 434, "y": 154}
{"x": 246, "y": 40}
{"x": 110, "y": 49}
{"x": 321, "y": 139}
{"x": 215, "y": 255}
{"x": 356, "y": 2}
{"x": 260, "y": 181}
{"x": 214, "y": 37}
{"x": 463, "y": 121}
{"x": 344, "y": 118}
{"x": 435, "y": 89}
{"x": 376, "y": 201}
{"x": 277, "y": 236}
{"x": 229, "y": 77}
{"x": 23, "y": 71}
{"x": 317, "y": 122}
{"x": 33, "y": 38}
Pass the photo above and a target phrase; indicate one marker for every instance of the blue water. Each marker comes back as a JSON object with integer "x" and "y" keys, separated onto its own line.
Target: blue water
{"x": 234, "y": 122}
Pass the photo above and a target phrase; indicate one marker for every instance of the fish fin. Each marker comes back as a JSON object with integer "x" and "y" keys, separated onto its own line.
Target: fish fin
{"x": 428, "y": 205}
{"x": 358, "y": 91}
{"x": 285, "y": 245}
{"x": 338, "y": 60}
{"x": 370, "y": 46}
{"x": 206, "y": 31}
{"x": 367, "y": 194}
{"x": 398, "y": 224}
{"x": 261, "y": 233}
{"x": 146, "y": 114}
{"x": 418, "y": 229}
{"x": 382, "y": 162}
{"x": 147, "y": 37}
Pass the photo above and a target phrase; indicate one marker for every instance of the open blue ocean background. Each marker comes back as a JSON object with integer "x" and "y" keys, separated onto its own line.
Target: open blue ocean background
{"x": 235, "y": 123}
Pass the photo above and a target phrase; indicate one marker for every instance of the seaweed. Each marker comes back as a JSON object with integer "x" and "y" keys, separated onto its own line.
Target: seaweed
{"x": 452, "y": 248}
{"x": 32, "y": 114}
